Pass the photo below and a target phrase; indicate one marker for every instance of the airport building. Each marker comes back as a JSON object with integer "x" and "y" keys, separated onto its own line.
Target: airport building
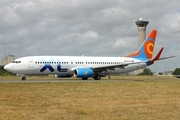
{"x": 141, "y": 25}
{"x": 7, "y": 59}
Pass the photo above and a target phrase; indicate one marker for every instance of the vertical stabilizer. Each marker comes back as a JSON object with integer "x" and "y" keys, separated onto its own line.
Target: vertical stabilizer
{"x": 145, "y": 52}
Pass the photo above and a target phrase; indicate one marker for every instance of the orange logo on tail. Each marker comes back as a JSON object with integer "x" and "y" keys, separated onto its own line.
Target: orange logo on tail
{"x": 148, "y": 48}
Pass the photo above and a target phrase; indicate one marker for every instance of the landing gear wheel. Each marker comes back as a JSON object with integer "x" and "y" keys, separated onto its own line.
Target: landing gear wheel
{"x": 97, "y": 77}
{"x": 23, "y": 78}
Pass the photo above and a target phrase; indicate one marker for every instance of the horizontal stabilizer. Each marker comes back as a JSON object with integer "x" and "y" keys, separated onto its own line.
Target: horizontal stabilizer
{"x": 158, "y": 56}
{"x": 166, "y": 57}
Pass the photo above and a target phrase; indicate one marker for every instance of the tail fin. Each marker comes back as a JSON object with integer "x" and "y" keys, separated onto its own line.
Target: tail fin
{"x": 145, "y": 52}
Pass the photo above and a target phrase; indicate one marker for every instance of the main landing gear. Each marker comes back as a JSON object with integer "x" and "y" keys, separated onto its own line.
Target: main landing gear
{"x": 97, "y": 77}
{"x": 23, "y": 78}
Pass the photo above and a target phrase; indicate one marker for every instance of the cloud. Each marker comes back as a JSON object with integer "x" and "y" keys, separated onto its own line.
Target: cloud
{"x": 88, "y": 27}
{"x": 90, "y": 34}
{"x": 120, "y": 43}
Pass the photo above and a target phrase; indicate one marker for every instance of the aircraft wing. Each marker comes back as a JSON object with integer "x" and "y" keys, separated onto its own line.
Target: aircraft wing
{"x": 112, "y": 67}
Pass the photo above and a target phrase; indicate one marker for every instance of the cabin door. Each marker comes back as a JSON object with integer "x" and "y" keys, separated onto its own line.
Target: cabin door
{"x": 30, "y": 63}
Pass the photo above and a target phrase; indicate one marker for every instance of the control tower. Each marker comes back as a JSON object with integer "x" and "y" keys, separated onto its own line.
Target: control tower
{"x": 141, "y": 25}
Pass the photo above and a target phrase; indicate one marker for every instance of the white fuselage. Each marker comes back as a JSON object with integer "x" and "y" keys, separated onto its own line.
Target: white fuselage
{"x": 67, "y": 64}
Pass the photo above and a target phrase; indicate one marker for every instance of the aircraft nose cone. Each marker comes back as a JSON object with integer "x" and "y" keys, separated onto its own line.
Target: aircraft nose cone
{"x": 7, "y": 67}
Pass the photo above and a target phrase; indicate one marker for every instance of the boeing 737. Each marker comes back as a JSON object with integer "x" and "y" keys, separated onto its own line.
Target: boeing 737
{"x": 85, "y": 67}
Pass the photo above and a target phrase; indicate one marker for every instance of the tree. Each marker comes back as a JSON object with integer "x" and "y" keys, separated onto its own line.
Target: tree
{"x": 4, "y": 72}
{"x": 146, "y": 71}
{"x": 176, "y": 71}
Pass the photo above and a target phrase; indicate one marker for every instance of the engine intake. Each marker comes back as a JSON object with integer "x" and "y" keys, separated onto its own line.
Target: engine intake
{"x": 83, "y": 72}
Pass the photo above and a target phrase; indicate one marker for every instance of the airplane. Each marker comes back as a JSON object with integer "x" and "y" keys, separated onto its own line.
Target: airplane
{"x": 85, "y": 67}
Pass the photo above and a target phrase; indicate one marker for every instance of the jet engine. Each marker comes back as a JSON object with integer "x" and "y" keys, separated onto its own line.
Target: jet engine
{"x": 83, "y": 72}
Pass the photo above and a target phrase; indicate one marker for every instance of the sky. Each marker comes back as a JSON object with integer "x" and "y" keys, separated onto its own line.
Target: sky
{"x": 88, "y": 27}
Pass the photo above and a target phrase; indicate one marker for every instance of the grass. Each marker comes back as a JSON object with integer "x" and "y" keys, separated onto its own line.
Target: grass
{"x": 28, "y": 77}
{"x": 139, "y": 99}
{"x": 103, "y": 78}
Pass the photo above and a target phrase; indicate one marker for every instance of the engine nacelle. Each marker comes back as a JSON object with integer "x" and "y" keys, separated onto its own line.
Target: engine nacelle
{"x": 64, "y": 75}
{"x": 83, "y": 72}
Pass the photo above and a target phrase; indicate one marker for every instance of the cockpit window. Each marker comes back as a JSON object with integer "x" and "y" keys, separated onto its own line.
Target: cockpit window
{"x": 16, "y": 61}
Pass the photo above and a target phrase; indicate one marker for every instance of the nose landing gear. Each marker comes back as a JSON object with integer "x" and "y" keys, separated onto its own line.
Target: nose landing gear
{"x": 23, "y": 78}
